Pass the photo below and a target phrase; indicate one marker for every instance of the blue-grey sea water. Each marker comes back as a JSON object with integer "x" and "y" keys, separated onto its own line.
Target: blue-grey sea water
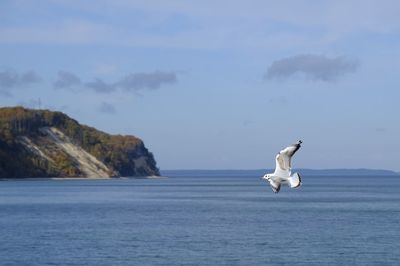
{"x": 200, "y": 221}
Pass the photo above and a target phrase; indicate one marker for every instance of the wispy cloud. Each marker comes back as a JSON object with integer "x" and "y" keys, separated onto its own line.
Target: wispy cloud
{"x": 381, "y": 129}
{"x": 100, "y": 86}
{"x": 281, "y": 100}
{"x": 66, "y": 80}
{"x": 10, "y": 79}
{"x": 315, "y": 67}
{"x": 132, "y": 82}
{"x": 151, "y": 81}
{"x": 107, "y": 108}
{"x": 247, "y": 122}
{"x": 193, "y": 24}
{"x": 29, "y": 77}
{"x": 105, "y": 69}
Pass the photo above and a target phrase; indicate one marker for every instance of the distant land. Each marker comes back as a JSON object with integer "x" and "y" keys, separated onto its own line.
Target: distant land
{"x": 41, "y": 143}
{"x": 260, "y": 172}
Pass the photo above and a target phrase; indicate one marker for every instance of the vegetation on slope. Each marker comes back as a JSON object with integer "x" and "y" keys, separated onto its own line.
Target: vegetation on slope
{"x": 117, "y": 152}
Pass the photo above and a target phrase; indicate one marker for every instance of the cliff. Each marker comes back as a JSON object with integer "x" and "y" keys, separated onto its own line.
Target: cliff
{"x": 41, "y": 143}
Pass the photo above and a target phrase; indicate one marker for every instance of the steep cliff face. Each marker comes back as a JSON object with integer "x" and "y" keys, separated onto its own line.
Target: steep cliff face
{"x": 40, "y": 143}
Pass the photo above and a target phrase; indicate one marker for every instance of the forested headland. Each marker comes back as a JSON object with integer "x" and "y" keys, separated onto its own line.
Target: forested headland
{"x": 43, "y": 143}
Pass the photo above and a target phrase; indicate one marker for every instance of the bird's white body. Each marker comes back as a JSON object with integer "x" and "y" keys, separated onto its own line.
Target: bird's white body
{"x": 283, "y": 170}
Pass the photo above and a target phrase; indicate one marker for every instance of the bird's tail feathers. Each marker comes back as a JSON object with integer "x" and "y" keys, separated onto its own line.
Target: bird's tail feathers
{"x": 295, "y": 180}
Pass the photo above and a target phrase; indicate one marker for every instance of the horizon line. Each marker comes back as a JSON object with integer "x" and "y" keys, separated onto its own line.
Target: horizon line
{"x": 267, "y": 169}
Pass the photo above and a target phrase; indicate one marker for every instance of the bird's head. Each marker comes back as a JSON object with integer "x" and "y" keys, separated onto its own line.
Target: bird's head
{"x": 267, "y": 176}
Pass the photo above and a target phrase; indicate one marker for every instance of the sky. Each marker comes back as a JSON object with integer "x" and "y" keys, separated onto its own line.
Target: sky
{"x": 215, "y": 84}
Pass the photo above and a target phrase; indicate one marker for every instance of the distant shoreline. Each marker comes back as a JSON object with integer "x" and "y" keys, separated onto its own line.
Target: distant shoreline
{"x": 79, "y": 178}
{"x": 234, "y": 173}
{"x": 302, "y": 171}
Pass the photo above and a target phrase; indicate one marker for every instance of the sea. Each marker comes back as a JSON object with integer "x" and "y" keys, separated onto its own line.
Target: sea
{"x": 200, "y": 219}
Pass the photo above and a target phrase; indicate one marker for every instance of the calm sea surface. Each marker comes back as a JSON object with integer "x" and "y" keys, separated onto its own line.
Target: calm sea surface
{"x": 200, "y": 221}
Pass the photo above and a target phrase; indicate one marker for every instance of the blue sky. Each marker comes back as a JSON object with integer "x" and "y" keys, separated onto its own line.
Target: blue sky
{"x": 215, "y": 84}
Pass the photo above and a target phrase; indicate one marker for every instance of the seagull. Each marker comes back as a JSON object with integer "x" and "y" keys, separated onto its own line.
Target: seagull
{"x": 283, "y": 169}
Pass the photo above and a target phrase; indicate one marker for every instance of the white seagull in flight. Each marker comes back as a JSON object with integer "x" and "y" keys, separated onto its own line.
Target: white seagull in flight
{"x": 283, "y": 169}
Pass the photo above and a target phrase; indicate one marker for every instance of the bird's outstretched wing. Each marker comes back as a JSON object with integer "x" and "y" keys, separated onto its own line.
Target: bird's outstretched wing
{"x": 284, "y": 160}
{"x": 275, "y": 185}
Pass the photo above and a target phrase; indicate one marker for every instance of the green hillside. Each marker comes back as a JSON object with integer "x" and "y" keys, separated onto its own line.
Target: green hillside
{"x": 42, "y": 143}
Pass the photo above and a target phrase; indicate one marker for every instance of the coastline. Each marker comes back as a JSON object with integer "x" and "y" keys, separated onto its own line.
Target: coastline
{"x": 79, "y": 178}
